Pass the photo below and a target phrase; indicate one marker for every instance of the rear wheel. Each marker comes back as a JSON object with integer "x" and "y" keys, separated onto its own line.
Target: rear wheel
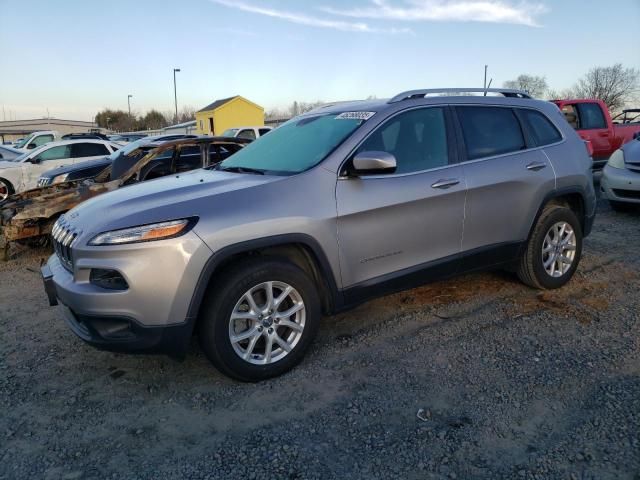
{"x": 6, "y": 189}
{"x": 553, "y": 250}
{"x": 260, "y": 319}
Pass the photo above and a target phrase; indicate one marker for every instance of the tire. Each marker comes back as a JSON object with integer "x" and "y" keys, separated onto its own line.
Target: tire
{"x": 229, "y": 294}
{"x": 556, "y": 273}
{"x": 6, "y": 189}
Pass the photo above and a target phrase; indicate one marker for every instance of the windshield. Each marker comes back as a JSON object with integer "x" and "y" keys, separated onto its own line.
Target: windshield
{"x": 230, "y": 132}
{"x": 24, "y": 141}
{"x": 296, "y": 146}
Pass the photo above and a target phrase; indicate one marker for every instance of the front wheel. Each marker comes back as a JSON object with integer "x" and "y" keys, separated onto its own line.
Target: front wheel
{"x": 6, "y": 189}
{"x": 553, "y": 250}
{"x": 260, "y": 319}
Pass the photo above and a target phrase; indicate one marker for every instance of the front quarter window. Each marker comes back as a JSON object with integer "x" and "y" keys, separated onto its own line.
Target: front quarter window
{"x": 298, "y": 145}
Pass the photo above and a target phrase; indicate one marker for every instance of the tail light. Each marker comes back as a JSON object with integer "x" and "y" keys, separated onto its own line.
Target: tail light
{"x": 589, "y": 146}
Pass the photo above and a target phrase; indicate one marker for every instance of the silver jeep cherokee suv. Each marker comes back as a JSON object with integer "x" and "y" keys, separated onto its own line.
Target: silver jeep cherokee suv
{"x": 342, "y": 204}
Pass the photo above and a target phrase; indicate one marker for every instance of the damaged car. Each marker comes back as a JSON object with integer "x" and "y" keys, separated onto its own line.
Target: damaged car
{"x": 28, "y": 217}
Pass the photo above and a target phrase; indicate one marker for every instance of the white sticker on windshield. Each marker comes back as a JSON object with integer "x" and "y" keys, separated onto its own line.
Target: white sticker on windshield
{"x": 355, "y": 116}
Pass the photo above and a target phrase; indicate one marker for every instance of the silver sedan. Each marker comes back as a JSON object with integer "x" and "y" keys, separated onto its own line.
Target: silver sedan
{"x": 620, "y": 182}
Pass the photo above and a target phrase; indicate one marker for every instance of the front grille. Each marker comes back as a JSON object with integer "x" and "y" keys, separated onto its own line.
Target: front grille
{"x": 63, "y": 236}
{"x": 43, "y": 182}
{"x": 635, "y": 194}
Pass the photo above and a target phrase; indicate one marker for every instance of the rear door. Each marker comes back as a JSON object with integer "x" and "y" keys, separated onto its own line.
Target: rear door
{"x": 394, "y": 225}
{"x": 84, "y": 151}
{"x": 507, "y": 179}
{"x": 593, "y": 126}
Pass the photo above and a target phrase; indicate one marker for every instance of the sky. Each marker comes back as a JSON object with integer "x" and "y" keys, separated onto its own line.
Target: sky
{"x": 72, "y": 58}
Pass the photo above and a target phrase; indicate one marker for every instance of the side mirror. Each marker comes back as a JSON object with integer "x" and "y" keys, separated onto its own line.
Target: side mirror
{"x": 34, "y": 160}
{"x": 368, "y": 163}
{"x": 31, "y": 146}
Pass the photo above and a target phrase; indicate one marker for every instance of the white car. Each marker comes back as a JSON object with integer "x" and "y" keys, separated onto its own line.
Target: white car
{"x": 36, "y": 139}
{"x": 9, "y": 153}
{"x": 247, "y": 132}
{"x": 22, "y": 173}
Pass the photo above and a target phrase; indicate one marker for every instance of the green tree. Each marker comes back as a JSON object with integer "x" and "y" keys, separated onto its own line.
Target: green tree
{"x": 153, "y": 120}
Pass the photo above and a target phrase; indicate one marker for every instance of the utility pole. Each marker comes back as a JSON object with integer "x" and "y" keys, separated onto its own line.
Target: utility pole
{"x": 485, "y": 80}
{"x": 129, "y": 103}
{"x": 175, "y": 93}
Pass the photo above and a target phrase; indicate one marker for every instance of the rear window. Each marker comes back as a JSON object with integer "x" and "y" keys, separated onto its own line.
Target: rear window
{"x": 541, "y": 128}
{"x": 490, "y": 131}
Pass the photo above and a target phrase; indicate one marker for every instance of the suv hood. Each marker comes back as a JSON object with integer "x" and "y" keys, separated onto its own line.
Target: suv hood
{"x": 168, "y": 198}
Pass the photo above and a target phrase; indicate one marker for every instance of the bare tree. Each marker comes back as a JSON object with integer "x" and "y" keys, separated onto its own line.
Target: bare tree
{"x": 560, "y": 94}
{"x": 615, "y": 86}
{"x": 532, "y": 84}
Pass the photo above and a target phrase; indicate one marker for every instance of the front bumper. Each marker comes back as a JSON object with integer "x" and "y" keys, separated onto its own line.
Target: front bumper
{"x": 620, "y": 185}
{"x": 151, "y": 315}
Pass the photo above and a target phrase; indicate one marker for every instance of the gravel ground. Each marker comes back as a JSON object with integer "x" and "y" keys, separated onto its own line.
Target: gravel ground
{"x": 508, "y": 383}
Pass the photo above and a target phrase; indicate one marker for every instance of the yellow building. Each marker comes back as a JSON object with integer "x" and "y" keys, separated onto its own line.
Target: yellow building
{"x": 227, "y": 113}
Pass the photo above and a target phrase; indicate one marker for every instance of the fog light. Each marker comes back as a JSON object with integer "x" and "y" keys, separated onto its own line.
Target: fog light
{"x": 109, "y": 279}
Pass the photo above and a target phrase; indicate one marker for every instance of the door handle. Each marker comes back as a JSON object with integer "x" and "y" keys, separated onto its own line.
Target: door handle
{"x": 445, "y": 183}
{"x": 535, "y": 166}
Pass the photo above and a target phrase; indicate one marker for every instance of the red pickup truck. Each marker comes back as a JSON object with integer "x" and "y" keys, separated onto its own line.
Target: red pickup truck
{"x": 592, "y": 121}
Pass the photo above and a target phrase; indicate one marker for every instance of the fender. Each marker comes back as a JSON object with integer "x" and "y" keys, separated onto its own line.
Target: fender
{"x": 335, "y": 297}
{"x": 585, "y": 221}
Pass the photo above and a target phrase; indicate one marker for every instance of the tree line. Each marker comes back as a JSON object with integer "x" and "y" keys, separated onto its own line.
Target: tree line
{"x": 616, "y": 86}
{"x": 121, "y": 121}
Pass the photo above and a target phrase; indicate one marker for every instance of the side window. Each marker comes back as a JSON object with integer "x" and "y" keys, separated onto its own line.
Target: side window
{"x": 189, "y": 158}
{"x": 79, "y": 150}
{"x": 264, "y": 131}
{"x": 591, "y": 116}
{"x": 250, "y": 134}
{"x": 490, "y": 131}
{"x": 55, "y": 153}
{"x": 42, "y": 139}
{"x": 543, "y": 131}
{"x": 571, "y": 115}
{"x": 417, "y": 138}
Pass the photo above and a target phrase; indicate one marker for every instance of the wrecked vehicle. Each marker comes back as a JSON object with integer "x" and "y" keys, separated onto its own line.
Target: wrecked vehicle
{"x": 28, "y": 217}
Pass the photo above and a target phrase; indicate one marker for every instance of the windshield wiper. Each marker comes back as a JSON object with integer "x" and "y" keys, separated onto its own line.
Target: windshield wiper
{"x": 240, "y": 170}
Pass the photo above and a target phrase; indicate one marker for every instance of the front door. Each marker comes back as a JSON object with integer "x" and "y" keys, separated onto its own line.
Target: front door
{"x": 48, "y": 159}
{"x": 393, "y": 226}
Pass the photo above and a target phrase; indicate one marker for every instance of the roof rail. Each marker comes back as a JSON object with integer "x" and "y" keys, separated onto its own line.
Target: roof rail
{"x": 409, "y": 94}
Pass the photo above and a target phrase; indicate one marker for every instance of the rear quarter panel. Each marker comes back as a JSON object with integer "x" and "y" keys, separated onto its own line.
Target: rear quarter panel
{"x": 572, "y": 165}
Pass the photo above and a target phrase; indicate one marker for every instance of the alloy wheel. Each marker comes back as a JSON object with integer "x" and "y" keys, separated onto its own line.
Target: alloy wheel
{"x": 558, "y": 249}
{"x": 267, "y": 323}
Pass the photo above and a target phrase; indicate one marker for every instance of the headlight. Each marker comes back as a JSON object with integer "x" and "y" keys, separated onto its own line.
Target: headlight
{"x": 145, "y": 233}
{"x": 617, "y": 159}
{"x": 60, "y": 179}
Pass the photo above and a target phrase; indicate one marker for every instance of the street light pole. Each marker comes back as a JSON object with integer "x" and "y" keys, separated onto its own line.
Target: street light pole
{"x": 129, "y": 102}
{"x": 175, "y": 92}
